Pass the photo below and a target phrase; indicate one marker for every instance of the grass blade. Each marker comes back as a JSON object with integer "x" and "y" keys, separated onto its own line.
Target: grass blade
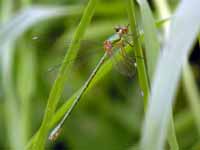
{"x": 9, "y": 33}
{"x": 11, "y": 110}
{"x": 192, "y": 93}
{"x": 142, "y": 73}
{"x": 152, "y": 45}
{"x": 10, "y": 101}
{"x": 172, "y": 140}
{"x": 62, "y": 75}
{"x": 30, "y": 16}
{"x": 164, "y": 11}
{"x": 141, "y": 68}
{"x": 185, "y": 22}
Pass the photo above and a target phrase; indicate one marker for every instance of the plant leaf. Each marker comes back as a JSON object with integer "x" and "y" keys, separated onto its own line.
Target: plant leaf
{"x": 59, "y": 83}
{"x": 152, "y": 45}
{"x": 192, "y": 93}
{"x": 186, "y": 21}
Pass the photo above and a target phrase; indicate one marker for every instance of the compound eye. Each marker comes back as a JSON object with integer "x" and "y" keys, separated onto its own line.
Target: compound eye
{"x": 117, "y": 28}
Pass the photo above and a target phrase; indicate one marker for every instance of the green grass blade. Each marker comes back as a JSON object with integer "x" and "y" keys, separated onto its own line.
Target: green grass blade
{"x": 142, "y": 73}
{"x": 10, "y": 32}
{"x": 185, "y": 22}
{"x": 192, "y": 93}
{"x": 172, "y": 140}
{"x": 152, "y": 45}
{"x": 12, "y": 121}
{"x": 62, "y": 75}
{"x": 141, "y": 68}
{"x": 11, "y": 110}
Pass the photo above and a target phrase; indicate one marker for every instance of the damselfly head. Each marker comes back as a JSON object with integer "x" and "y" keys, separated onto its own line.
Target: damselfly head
{"x": 121, "y": 30}
{"x": 125, "y": 29}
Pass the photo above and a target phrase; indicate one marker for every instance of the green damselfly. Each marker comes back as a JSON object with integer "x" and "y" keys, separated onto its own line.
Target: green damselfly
{"x": 116, "y": 42}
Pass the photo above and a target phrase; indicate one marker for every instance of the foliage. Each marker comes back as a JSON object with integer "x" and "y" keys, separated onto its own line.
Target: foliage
{"x": 103, "y": 109}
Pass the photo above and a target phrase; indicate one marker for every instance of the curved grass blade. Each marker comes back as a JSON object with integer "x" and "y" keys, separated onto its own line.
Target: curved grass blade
{"x": 185, "y": 22}
{"x": 30, "y": 16}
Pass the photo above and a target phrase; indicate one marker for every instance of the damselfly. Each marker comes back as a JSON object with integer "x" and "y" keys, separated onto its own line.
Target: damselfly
{"x": 116, "y": 42}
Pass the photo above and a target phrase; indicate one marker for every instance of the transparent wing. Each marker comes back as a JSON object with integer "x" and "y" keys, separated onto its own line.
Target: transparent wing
{"x": 59, "y": 46}
{"x": 87, "y": 48}
{"x": 124, "y": 64}
{"x": 81, "y": 58}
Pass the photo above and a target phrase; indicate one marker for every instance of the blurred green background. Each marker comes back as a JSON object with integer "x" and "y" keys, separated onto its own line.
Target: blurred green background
{"x": 109, "y": 116}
